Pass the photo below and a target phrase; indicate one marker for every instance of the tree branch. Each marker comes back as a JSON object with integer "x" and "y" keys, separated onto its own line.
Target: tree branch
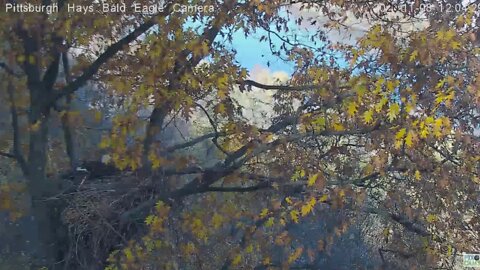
{"x": 52, "y": 72}
{"x": 409, "y": 225}
{"x": 401, "y": 253}
{"x": 108, "y": 54}
{"x": 67, "y": 130}
{"x": 401, "y": 219}
{"x": 7, "y": 155}
{"x": 8, "y": 70}
{"x": 288, "y": 88}
{"x": 202, "y": 183}
{"x": 263, "y": 185}
{"x": 193, "y": 141}
{"x": 180, "y": 68}
{"x": 214, "y": 126}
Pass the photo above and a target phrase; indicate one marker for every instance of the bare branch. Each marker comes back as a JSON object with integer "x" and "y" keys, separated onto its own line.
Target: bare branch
{"x": 194, "y": 141}
{"x": 401, "y": 253}
{"x": 7, "y": 155}
{"x": 8, "y": 70}
{"x": 401, "y": 219}
{"x": 263, "y": 185}
{"x": 409, "y": 225}
{"x": 108, "y": 54}
{"x": 52, "y": 72}
{"x": 67, "y": 130}
{"x": 214, "y": 126}
{"x": 288, "y": 88}
{"x": 181, "y": 67}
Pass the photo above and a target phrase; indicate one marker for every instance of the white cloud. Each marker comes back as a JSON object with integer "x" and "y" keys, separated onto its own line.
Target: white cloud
{"x": 352, "y": 28}
{"x": 258, "y": 103}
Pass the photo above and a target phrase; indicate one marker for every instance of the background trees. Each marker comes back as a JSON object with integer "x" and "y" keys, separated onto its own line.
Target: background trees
{"x": 382, "y": 133}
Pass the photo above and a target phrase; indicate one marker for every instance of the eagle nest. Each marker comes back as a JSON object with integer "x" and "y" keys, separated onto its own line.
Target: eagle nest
{"x": 92, "y": 215}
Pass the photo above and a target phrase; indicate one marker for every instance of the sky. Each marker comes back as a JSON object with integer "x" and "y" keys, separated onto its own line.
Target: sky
{"x": 252, "y": 53}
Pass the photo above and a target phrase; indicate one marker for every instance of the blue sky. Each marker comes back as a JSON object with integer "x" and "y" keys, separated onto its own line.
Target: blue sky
{"x": 251, "y": 52}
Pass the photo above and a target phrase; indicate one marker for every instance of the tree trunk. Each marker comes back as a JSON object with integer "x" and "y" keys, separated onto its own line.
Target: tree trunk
{"x": 154, "y": 127}
{"x": 45, "y": 212}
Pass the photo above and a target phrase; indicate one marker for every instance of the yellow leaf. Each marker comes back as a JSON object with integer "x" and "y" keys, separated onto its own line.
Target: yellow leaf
{"x": 352, "y": 108}
{"x": 323, "y": 198}
{"x": 288, "y": 200}
{"x": 312, "y": 179}
{"x": 21, "y": 58}
{"x": 431, "y": 218}
{"x": 222, "y": 94}
{"x": 460, "y": 21}
{"x": 449, "y": 250}
{"x": 441, "y": 83}
{"x": 409, "y": 139}
{"x": 413, "y": 56}
{"x": 295, "y": 255}
{"x": 264, "y": 213}
{"x": 299, "y": 173}
{"x": 306, "y": 209}
{"x": 455, "y": 45}
{"x": 249, "y": 248}
{"x": 424, "y": 133}
{"x": 390, "y": 86}
{"x": 418, "y": 175}
{"x": 379, "y": 106}
{"x": 378, "y": 85}
{"x": 36, "y": 126}
{"x": 399, "y": 137}
{"x": 32, "y": 60}
{"x": 104, "y": 143}
{"x": 440, "y": 35}
{"x": 149, "y": 220}
{"x": 386, "y": 232}
{"x": 393, "y": 111}
{"x": 294, "y": 216}
{"x": 243, "y": 73}
{"x": 337, "y": 126}
{"x": 361, "y": 89}
{"x": 270, "y": 222}
{"x": 319, "y": 122}
{"x": 400, "y": 134}
{"x": 368, "y": 116}
{"x": 450, "y": 34}
{"x": 476, "y": 180}
{"x": 409, "y": 107}
{"x": 128, "y": 254}
{"x": 221, "y": 108}
{"x": 236, "y": 261}
{"x": 217, "y": 221}
{"x": 437, "y": 128}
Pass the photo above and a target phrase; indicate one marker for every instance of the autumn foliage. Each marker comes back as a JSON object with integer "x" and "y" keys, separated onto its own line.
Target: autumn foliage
{"x": 379, "y": 135}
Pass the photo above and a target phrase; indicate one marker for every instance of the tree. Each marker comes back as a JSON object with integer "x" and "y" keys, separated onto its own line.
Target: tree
{"x": 393, "y": 133}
